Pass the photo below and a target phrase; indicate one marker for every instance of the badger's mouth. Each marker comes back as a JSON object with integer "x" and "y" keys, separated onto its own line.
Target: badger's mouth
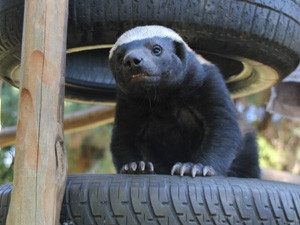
{"x": 144, "y": 77}
{"x": 134, "y": 76}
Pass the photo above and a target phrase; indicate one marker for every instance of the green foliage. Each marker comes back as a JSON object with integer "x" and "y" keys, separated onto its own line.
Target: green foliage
{"x": 9, "y": 105}
{"x": 70, "y": 107}
{"x": 9, "y": 115}
{"x": 269, "y": 156}
{"x": 105, "y": 164}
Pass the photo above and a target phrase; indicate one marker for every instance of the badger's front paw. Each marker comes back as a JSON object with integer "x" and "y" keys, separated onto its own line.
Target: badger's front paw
{"x": 140, "y": 167}
{"x": 192, "y": 169}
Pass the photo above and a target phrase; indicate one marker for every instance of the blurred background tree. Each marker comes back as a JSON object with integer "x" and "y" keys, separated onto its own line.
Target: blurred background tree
{"x": 88, "y": 151}
{"x": 278, "y": 138}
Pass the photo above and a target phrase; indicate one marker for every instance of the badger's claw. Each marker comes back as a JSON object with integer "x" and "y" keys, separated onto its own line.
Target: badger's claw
{"x": 140, "y": 167}
{"x": 192, "y": 169}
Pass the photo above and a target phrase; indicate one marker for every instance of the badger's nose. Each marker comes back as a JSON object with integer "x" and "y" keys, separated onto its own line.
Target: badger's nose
{"x": 132, "y": 60}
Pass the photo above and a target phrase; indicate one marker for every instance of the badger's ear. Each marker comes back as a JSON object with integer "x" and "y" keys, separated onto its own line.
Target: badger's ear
{"x": 180, "y": 50}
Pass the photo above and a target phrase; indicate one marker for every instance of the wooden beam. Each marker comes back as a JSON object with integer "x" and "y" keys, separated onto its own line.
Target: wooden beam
{"x": 85, "y": 119}
{"x": 8, "y": 136}
{"x": 40, "y": 162}
{"x": 89, "y": 118}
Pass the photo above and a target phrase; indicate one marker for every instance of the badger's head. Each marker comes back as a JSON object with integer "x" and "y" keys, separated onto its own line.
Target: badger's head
{"x": 149, "y": 57}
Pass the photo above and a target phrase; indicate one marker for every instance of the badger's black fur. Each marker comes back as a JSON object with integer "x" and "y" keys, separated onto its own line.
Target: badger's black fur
{"x": 174, "y": 113}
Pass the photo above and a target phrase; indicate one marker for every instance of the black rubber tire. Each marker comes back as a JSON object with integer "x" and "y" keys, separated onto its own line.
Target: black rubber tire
{"x": 260, "y": 30}
{"x": 161, "y": 199}
{"x": 5, "y": 193}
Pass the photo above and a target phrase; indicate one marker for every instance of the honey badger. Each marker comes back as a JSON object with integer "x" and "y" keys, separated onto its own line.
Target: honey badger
{"x": 174, "y": 114}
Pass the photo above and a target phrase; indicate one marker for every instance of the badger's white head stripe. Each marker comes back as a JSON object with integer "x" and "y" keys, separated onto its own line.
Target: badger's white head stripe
{"x": 143, "y": 32}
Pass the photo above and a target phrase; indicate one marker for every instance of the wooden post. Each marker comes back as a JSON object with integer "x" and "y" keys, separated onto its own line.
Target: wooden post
{"x": 40, "y": 162}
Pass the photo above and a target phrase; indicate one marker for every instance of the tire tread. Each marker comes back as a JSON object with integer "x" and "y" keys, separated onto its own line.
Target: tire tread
{"x": 162, "y": 199}
{"x": 173, "y": 200}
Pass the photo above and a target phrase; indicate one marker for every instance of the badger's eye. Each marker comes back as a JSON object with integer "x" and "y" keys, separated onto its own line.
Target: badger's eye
{"x": 157, "y": 50}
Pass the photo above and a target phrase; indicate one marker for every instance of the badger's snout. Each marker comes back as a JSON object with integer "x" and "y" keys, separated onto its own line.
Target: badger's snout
{"x": 133, "y": 60}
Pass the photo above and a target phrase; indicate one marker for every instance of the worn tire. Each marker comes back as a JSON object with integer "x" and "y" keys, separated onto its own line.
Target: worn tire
{"x": 161, "y": 199}
{"x": 254, "y": 42}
